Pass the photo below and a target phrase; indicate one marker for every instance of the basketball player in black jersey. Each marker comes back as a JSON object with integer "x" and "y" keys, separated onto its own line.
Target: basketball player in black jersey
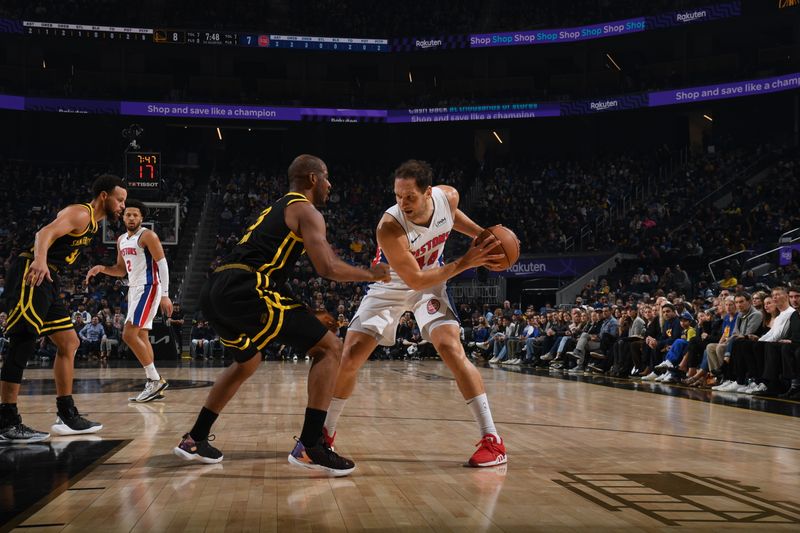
{"x": 35, "y": 310}
{"x": 248, "y": 302}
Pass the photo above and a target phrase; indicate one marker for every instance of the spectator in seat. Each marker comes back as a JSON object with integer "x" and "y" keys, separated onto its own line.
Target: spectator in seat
{"x": 678, "y": 349}
{"x": 716, "y": 351}
{"x": 587, "y": 340}
{"x": 669, "y": 333}
{"x": 201, "y": 337}
{"x": 558, "y": 335}
{"x": 110, "y": 340}
{"x": 622, "y": 361}
{"x": 83, "y": 313}
{"x": 729, "y": 281}
{"x": 91, "y": 334}
{"x": 609, "y": 333}
{"x": 175, "y": 323}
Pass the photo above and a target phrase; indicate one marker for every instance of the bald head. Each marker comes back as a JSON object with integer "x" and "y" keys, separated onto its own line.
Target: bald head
{"x": 302, "y": 166}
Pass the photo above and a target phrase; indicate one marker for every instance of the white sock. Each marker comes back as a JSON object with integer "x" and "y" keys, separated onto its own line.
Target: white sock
{"x": 151, "y": 372}
{"x": 479, "y": 405}
{"x": 334, "y": 411}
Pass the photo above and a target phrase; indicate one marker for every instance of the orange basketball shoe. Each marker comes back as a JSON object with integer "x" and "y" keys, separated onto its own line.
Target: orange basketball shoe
{"x": 490, "y": 452}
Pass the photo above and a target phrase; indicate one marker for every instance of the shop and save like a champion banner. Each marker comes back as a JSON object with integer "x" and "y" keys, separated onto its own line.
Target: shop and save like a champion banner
{"x": 787, "y": 82}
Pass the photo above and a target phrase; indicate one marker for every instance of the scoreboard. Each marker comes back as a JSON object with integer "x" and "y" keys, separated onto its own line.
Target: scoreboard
{"x": 81, "y": 31}
{"x": 143, "y": 170}
{"x": 262, "y": 40}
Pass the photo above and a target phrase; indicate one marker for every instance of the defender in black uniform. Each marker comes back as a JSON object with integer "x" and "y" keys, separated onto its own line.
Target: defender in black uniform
{"x": 249, "y": 303}
{"x": 35, "y": 310}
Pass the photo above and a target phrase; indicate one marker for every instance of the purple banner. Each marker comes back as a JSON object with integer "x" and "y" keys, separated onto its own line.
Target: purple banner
{"x": 599, "y": 105}
{"x": 65, "y": 105}
{"x": 16, "y": 103}
{"x": 606, "y": 29}
{"x": 487, "y": 112}
{"x": 546, "y": 267}
{"x": 726, "y": 90}
{"x": 231, "y": 112}
{"x": 562, "y": 35}
{"x": 787, "y": 82}
{"x": 787, "y": 253}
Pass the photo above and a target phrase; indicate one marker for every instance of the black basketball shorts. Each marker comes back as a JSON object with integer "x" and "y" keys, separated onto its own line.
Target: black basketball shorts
{"x": 247, "y": 315}
{"x": 34, "y": 309}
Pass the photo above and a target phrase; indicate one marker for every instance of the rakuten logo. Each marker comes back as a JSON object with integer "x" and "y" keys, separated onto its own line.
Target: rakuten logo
{"x": 690, "y": 16}
{"x": 602, "y": 106}
{"x": 432, "y": 43}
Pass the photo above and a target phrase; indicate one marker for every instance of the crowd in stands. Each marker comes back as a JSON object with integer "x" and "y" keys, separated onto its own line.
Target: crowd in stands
{"x": 738, "y": 341}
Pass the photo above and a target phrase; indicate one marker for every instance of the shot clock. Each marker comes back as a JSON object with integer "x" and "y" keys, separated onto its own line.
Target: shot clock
{"x": 143, "y": 170}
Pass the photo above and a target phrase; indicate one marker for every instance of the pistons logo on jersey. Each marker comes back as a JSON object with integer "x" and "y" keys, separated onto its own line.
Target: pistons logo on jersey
{"x": 430, "y": 252}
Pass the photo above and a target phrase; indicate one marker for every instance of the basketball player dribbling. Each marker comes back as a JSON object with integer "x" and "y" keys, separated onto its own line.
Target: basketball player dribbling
{"x": 140, "y": 256}
{"x": 248, "y": 303}
{"x": 411, "y": 237}
{"x": 33, "y": 288}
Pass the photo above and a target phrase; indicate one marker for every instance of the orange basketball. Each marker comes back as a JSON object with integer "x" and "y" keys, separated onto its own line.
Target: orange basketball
{"x": 509, "y": 245}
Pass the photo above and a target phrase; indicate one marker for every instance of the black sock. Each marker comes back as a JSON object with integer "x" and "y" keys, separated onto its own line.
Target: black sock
{"x": 312, "y": 427}
{"x": 202, "y": 426}
{"x": 64, "y": 403}
{"x": 8, "y": 414}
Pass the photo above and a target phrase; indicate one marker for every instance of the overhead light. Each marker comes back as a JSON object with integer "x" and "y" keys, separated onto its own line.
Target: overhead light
{"x": 44, "y": 64}
{"x": 613, "y": 62}
{"x": 496, "y": 136}
{"x": 410, "y": 79}
{"x": 708, "y": 118}
{"x": 219, "y": 134}
{"x": 249, "y": 129}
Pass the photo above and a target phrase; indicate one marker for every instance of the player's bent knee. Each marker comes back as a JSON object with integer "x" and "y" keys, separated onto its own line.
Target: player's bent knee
{"x": 68, "y": 347}
{"x": 328, "y": 346}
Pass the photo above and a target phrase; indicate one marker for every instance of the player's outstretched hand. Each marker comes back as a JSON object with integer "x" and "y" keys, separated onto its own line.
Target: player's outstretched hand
{"x": 483, "y": 254}
{"x": 166, "y": 306}
{"x": 95, "y": 270}
{"x": 380, "y": 272}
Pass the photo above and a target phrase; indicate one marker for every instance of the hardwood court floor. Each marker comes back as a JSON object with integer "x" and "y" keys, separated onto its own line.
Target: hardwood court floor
{"x": 581, "y": 457}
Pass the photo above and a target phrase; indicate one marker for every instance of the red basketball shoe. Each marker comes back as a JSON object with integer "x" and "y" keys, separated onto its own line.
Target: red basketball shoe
{"x": 490, "y": 452}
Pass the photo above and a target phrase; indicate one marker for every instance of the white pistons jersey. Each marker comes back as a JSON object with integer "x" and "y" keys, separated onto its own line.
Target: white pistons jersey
{"x": 142, "y": 269}
{"x": 426, "y": 243}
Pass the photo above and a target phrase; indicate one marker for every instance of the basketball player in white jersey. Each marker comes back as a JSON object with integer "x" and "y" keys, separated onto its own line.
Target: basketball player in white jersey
{"x": 141, "y": 257}
{"x": 411, "y": 237}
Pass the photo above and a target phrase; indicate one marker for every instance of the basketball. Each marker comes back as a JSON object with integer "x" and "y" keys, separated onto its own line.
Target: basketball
{"x": 509, "y": 245}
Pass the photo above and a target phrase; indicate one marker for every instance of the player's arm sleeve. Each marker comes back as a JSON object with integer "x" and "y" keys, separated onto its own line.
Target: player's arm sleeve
{"x": 153, "y": 244}
{"x": 163, "y": 275}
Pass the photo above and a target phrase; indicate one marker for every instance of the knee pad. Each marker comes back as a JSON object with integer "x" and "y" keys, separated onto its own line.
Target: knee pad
{"x": 20, "y": 348}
